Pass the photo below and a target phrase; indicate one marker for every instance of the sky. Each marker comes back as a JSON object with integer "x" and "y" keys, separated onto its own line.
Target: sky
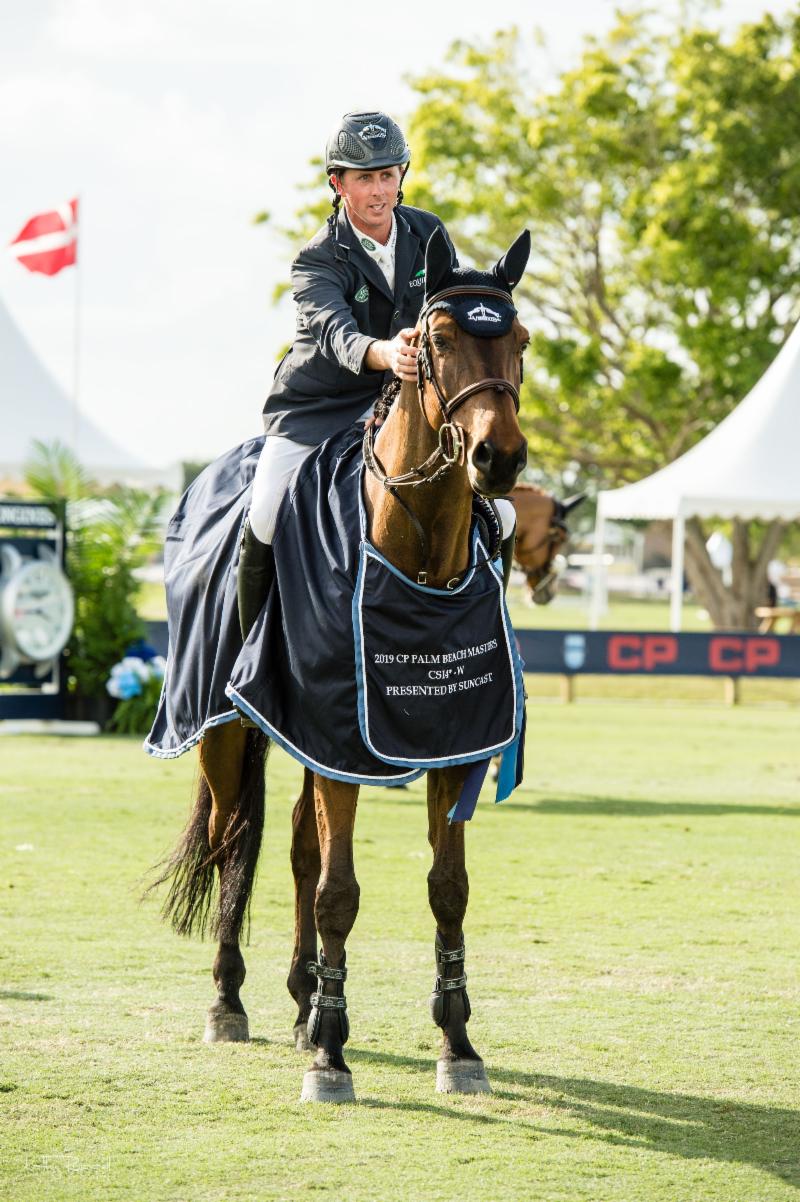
{"x": 175, "y": 122}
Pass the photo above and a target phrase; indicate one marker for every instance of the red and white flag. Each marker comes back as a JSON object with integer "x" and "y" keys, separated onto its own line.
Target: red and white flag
{"x": 49, "y": 241}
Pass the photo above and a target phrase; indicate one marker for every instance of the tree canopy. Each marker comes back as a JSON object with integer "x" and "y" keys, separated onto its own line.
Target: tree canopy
{"x": 660, "y": 179}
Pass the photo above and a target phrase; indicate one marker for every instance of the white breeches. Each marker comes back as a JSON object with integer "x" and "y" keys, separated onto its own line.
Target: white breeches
{"x": 278, "y": 463}
{"x": 508, "y": 517}
{"x": 276, "y": 466}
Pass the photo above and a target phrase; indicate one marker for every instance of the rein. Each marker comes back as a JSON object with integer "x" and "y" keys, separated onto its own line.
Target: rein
{"x": 451, "y": 446}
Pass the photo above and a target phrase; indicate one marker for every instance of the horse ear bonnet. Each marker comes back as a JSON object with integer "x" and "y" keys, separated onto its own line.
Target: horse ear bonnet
{"x": 438, "y": 263}
{"x": 483, "y": 317}
{"x": 511, "y": 268}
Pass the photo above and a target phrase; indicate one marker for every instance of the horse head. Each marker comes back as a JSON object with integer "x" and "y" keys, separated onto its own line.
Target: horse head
{"x": 542, "y": 535}
{"x": 470, "y": 363}
{"x": 455, "y": 431}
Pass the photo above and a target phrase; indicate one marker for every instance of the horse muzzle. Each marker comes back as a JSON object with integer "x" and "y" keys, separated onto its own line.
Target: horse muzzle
{"x": 493, "y": 473}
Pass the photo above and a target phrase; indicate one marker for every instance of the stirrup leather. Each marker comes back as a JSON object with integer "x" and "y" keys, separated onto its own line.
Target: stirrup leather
{"x": 445, "y": 987}
{"x": 321, "y": 1001}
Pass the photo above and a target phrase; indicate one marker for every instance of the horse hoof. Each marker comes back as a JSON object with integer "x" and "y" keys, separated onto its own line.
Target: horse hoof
{"x": 327, "y": 1085}
{"x": 301, "y": 1041}
{"x": 461, "y": 1076}
{"x": 226, "y": 1028}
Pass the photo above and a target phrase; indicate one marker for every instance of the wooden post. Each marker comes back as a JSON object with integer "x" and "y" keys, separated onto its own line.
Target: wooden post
{"x": 567, "y": 689}
{"x": 732, "y": 690}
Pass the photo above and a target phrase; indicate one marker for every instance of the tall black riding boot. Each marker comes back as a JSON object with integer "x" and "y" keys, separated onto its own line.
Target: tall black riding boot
{"x": 253, "y": 578}
{"x": 507, "y": 556}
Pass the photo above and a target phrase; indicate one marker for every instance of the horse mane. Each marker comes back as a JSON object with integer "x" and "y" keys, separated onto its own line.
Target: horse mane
{"x": 525, "y": 486}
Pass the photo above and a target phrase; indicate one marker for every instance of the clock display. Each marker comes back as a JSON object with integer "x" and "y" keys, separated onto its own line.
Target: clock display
{"x": 36, "y": 609}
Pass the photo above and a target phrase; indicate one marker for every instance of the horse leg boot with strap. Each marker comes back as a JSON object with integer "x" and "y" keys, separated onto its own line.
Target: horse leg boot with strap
{"x": 460, "y": 1069}
{"x": 253, "y": 577}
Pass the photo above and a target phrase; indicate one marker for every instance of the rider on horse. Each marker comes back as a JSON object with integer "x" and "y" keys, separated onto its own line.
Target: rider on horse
{"x": 358, "y": 286}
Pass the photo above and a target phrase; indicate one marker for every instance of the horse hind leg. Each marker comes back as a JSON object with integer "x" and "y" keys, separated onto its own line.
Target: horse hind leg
{"x": 222, "y": 840}
{"x": 460, "y": 1069}
{"x": 305, "y": 858}
{"x": 232, "y": 760}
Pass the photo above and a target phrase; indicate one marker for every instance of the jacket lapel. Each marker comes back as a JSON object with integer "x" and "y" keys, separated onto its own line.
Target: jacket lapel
{"x": 405, "y": 255}
{"x": 366, "y": 265}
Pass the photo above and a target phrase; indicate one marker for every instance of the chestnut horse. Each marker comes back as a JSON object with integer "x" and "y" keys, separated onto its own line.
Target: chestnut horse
{"x": 453, "y": 433}
{"x": 541, "y": 534}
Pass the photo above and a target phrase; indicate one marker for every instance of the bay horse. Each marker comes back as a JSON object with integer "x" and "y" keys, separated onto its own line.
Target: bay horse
{"x": 452, "y": 434}
{"x": 541, "y": 534}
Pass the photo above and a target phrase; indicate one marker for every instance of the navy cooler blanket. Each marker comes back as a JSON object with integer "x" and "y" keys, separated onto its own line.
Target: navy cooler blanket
{"x": 359, "y": 673}
{"x": 201, "y": 553}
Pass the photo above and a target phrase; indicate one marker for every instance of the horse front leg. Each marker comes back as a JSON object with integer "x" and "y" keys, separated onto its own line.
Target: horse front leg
{"x": 306, "y": 869}
{"x": 459, "y": 1069}
{"x": 335, "y": 910}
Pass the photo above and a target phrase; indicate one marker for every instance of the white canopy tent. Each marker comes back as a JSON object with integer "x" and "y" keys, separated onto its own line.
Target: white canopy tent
{"x": 34, "y": 406}
{"x": 748, "y": 467}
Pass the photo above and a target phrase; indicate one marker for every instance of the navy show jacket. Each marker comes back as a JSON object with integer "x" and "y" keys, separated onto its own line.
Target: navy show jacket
{"x": 344, "y": 303}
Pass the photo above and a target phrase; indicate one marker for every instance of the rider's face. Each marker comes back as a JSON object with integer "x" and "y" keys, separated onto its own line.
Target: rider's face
{"x": 369, "y": 197}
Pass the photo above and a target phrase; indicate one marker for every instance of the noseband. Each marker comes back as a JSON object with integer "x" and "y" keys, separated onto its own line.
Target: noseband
{"x": 451, "y": 446}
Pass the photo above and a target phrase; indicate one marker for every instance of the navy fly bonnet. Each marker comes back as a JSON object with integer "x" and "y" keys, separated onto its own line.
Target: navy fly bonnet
{"x": 459, "y": 291}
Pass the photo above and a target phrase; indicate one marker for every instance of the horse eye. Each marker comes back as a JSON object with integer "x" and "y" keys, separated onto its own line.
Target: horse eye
{"x": 439, "y": 342}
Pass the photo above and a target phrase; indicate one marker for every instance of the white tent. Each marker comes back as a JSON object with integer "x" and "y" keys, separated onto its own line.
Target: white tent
{"x": 33, "y": 405}
{"x": 747, "y": 467}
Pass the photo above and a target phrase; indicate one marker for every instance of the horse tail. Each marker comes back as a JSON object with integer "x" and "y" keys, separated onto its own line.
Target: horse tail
{"x": 195, "y": 903}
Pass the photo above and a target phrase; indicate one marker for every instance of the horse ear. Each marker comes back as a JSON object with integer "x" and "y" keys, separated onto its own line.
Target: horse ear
{"x": 510, "y": 269}
{"x": 438, "y": 262}
{"x": 572, "y": 503}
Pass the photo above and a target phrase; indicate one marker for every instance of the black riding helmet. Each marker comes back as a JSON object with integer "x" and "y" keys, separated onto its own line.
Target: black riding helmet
{"x": 366, "y": 141}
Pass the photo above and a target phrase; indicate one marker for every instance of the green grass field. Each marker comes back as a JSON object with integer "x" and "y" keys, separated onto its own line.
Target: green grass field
{"x": 633, "y": 955}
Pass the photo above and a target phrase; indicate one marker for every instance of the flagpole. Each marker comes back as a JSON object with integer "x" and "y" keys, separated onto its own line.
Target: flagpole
{"x": 76, "y": 352}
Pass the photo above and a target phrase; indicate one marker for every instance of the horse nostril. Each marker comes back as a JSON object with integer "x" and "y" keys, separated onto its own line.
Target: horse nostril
{"x": 484, "y": 456}
{"x": 522, "y": 456}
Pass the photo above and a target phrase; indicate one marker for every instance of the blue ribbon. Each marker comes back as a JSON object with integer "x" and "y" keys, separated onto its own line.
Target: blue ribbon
{"x": 464, "y": 808}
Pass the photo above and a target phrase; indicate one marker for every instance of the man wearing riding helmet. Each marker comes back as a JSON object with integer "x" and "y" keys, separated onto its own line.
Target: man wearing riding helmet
{"x": 358, "y": 286}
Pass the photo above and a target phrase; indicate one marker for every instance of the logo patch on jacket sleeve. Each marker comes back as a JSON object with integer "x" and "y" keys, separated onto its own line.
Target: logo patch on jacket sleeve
{"x": 362, "y": 294}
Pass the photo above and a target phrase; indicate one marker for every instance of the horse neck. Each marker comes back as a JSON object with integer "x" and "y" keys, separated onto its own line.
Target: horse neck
{"x": 443, "y": 509}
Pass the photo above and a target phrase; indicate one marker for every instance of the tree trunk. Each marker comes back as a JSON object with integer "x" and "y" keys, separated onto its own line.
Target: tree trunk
{"x": 732, "y": 608}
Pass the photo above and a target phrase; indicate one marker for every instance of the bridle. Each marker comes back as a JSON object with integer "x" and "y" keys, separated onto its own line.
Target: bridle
{"x": 451, "y": 446}
{"x": 557, "y": 534}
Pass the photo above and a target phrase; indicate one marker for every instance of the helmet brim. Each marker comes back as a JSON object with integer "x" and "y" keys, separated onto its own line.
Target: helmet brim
{"x": 347, "y": 165}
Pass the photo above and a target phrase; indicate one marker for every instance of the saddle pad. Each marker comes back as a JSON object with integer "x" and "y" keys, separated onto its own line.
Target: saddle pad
{"x": 436, "y": 670}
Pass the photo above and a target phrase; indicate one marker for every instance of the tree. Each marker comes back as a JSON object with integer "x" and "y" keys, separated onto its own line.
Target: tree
{"x": 660, "y": 179}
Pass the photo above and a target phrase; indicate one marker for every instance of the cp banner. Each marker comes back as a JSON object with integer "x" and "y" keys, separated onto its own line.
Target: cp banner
{"x": 620, "y": 652}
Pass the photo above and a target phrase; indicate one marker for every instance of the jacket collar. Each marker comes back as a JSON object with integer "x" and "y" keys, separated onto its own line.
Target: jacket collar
{"x": 404, "y": 255}
{"x": 366, "y": 264}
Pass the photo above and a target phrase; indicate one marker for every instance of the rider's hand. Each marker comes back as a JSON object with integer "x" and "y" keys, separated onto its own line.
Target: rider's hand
{"x": 398, "y": 356}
